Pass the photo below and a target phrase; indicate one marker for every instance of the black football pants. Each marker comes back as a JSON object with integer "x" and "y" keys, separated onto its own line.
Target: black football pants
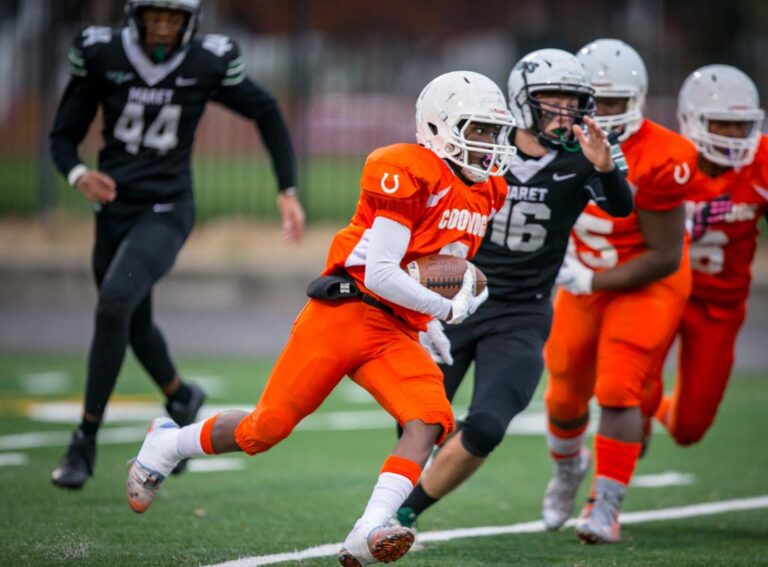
{"x": 506, "y": 341}
{"x": 134, "y": 248}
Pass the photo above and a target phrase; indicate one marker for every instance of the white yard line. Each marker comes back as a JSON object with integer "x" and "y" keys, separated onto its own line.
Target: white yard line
{"x": 216, "y": 465}
{"x": 13, "y": 459}
{"x": 660, "y": 480}
{"x": 38, "y": 383}
{"x": 681, "y": 512}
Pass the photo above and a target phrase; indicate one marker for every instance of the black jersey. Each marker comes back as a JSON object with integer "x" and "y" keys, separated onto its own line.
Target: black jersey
{"x": 151, "y": 110}
{"x": 526, "y": 240}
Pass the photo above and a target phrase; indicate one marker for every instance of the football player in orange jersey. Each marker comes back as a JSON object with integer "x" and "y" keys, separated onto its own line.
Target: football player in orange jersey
{"x": 365, "y": 312}
{"x": 623, "y": 288}
{"x": 719, "y": 110}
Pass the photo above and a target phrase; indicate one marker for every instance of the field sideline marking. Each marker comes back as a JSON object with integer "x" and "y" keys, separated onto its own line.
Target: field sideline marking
{"x": 681, "y": 512}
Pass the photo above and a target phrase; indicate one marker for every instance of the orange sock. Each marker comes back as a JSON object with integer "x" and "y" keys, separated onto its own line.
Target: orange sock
{"x": 205, "y": 435}
{"x": 564, "y": 443}
{"x": 615, "y": 459}
{"x": 402, "y": 466}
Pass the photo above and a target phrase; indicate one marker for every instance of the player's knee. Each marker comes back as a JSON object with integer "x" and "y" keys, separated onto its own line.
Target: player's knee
{"x": 689, "y": 433}
{"x": 113, "y": 309}
{"x": 482, "y": 433}
{"x": 264, "y": 428}
{"x": 615, "y": 393}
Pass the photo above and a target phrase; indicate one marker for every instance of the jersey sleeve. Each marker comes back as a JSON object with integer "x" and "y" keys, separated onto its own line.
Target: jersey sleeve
{"x": 240, "y": 94}
{"x": 80, "y": 100}
{"x": 665, "y": 186}
{"x": 390, "y": 190}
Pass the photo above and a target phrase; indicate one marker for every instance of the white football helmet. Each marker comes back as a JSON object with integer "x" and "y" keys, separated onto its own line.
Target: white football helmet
{"x": 447, "y": 106}
{"x": 190, "y": 7}
{"x": 549, "y": 70}
{"x": 616, "y": 70}
{"x": 720, "y": 92}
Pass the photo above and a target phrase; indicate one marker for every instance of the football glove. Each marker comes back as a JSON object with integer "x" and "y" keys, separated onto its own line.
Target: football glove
{"x": 436, "y": 343}
{"x": 464, "y": 302}
{"x": 575, "y": 276}
{"x": 712, "y": 212}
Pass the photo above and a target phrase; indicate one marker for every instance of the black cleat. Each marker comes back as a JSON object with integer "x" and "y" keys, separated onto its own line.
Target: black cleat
{"x": 184, "y": 414}
{"x": 77, "y": 463}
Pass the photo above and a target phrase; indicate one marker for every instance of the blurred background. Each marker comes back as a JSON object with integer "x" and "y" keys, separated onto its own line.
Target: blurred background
{"x": 346, "y": 74}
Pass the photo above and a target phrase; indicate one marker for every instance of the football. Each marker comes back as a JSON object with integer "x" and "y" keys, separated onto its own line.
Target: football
{"x": 443, "y": 274}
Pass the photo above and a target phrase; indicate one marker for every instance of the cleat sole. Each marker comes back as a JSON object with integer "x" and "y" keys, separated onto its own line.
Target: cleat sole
{"x": 393, "y": 545}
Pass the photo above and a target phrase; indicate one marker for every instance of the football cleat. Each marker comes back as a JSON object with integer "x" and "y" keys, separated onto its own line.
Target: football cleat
{"x": 77, "y": 463}
{"x": 599, "y": 520}
{"x": 155, "y": 461}
{"x": 561, "y": 489}
{"x": 184, "y": 414}
{"x": 365, "y": 545}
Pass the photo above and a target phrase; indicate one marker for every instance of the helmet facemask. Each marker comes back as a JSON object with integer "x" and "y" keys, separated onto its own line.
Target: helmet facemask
{"x": 449, "y": 107}
{"x": 726, "y": 151}
{"x": 624, "y": 124}
{"x": 135, "y": 10}
{"x": 562, "y": 138}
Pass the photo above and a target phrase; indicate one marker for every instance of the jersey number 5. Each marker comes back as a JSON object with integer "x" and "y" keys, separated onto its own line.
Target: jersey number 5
{"x": 588, "y": 229}
{"x": 510, "y": 226}
{"x": 161, "y": 134}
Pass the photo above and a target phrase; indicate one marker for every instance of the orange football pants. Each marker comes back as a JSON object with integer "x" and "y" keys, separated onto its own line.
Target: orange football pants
{"x": 707, "y": 344}
{"x": 331, "y": 339}
{"x": 606, "y": 344}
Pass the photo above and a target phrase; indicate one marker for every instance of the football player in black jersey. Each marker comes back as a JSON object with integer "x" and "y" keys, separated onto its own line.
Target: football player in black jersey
{"x": 152, "y": 80}
{"x": 563, "y": 160}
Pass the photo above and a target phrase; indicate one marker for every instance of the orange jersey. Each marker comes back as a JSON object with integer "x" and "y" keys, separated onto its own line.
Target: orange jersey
{"x": 411, "y": 185}
{"x": 721, "y": 259}
{"x": 661, "y": 164}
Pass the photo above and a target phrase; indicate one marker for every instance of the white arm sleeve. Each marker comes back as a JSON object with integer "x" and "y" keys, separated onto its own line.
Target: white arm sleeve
{"x": 384, "y": 276}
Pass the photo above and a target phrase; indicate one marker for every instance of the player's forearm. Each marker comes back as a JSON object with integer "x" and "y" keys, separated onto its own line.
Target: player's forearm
{"x": 617, "y": 198}
{"x": 276, "y": 137}
{"x": 383, "y": 275}
{"x": 646, "y": 268}
{"x": 73, "y": 118}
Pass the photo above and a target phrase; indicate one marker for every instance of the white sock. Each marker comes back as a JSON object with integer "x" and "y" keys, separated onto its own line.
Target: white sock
{"x": 563, "y": 446}
{"x": 388, "y": 495}
{"x": 188, "y": 443}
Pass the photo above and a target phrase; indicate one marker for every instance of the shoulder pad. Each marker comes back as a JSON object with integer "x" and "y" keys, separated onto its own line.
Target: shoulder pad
{"x": 227, "y": 54}
{"x": 84, "y": 47}
{"x": 400, "y": 171}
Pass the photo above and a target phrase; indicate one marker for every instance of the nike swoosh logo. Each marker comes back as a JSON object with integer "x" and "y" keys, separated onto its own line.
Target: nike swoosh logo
{"x": 434, "y": 199}
{"x": 184, "y": 82}
{"x": 558, "y": 177}
{"x": 762, "y": 191}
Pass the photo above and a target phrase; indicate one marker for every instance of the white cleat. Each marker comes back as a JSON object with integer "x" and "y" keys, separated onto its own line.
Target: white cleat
{"x": 599, "y": 520}
{"x": 380, "y": 544}
{"x": 155, "y": 461}
{"x": 562, "y": 488}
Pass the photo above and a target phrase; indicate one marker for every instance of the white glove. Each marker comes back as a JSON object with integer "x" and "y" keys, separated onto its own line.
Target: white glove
{"x": 465, "y": 302}
{"x": 436, "y": 343}
{"x": 575, "y": 276}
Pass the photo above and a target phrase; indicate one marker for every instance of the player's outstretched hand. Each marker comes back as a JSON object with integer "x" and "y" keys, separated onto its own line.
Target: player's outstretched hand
{"x": 436, "y": 343}
{"x": 97, "y": 187}
{"x": 575, "y": 276}
{"x": 465, "y": 303}
{"x": 292, "y": 215}
{"x": 595, "y": 145}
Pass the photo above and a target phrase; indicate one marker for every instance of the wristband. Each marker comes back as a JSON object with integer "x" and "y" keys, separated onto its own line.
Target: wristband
{"x": 290, "y": 192}
{"x": 76, "y": 173}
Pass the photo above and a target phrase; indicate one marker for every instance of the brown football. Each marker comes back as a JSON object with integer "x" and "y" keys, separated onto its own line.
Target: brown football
{"x": 443, "y": 274}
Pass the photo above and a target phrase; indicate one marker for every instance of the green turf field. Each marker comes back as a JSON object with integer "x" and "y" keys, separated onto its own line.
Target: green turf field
{"x": 309, "y": 490}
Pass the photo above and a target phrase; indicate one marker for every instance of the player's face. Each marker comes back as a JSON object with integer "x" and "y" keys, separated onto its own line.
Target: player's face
{"x": 163, "y": 28}
{"x": 483, "y": 133}
{"x": 611, "y": 106}
{"x": 555, "y": 116}
{"x": 730, "y": 128}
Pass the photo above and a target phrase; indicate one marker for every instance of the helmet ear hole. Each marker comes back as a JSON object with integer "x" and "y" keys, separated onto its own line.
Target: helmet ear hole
{"x": 432, "y": 128}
